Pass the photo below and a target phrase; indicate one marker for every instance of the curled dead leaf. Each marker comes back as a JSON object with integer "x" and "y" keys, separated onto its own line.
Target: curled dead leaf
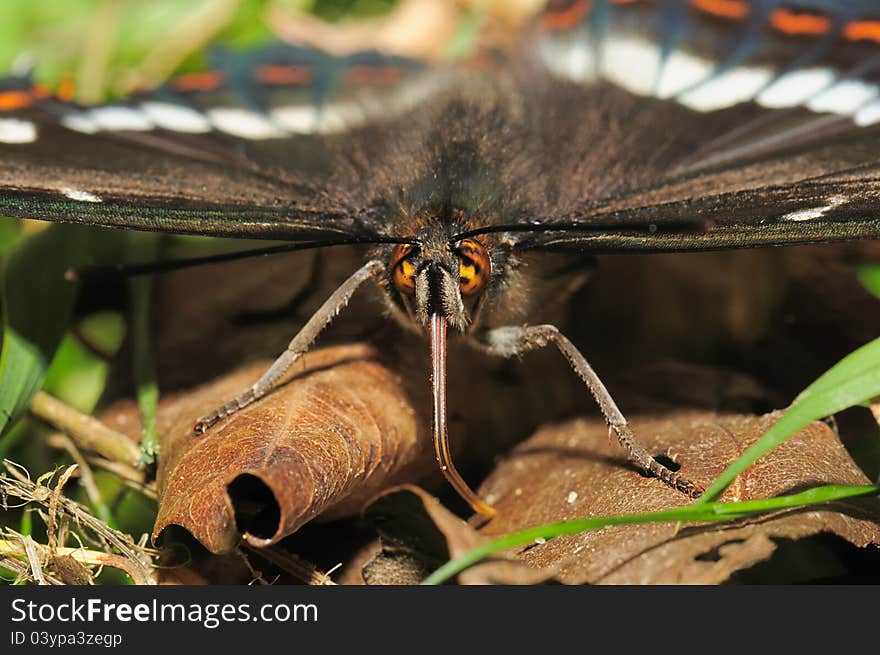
{"x": 574, "y": 470}
{"x": 324, "y": 443}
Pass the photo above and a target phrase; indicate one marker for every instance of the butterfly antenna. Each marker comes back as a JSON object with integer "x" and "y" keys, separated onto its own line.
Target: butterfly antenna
{"x": 441, "y": 432}
{"x": 157, "y": 267}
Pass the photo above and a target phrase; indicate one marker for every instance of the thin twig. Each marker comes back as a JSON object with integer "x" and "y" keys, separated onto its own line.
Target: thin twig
{"x": 188, "y": 36}
{"x": 23, "y": 571}
{"x": 16, "y": 566}
{"x": 257, "y": 576}
{"x": 87, "y": 432}
{"x": 297, "y": 567}
{"x": 33, "y": 558}
{"x": 87, "y": 480}
{"x": 52, "y": 526}
{"x": 34, "y": 552}
{"x": 133, "y": 477}
{"x": 22, "y": 487}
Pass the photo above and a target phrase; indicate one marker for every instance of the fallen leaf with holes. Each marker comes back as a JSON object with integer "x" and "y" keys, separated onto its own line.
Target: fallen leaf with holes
{"x": 417, "y": 535}
{"x": 324, "y": 443}
{"x": 574, "y": 470}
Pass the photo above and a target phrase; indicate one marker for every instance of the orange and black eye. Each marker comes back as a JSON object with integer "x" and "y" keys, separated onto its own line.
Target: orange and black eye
{"x": 403, "y": 271}
{"x": 474, "y": 267}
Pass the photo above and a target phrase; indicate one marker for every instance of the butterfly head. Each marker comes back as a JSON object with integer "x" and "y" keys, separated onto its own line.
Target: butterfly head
{"x": 441, "y": 283}
{"x": 434, "y": 277}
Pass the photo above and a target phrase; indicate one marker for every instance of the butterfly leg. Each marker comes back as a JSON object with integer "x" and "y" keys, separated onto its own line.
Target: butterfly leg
{"x": 512, "y": 341}
{"x": 297, "y": 347}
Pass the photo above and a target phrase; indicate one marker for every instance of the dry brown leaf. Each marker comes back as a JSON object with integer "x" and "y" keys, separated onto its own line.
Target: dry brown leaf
{"x": 417, "y": 536}
{"x": 70, "y": 571}
{"x": 327, "y": 441}
{"x": 340, "y": 431}
{"x": 574, "y": 470}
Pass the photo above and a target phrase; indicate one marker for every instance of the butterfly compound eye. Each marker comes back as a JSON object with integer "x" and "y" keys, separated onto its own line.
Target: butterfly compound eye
{"x": 402, "y": 269}
{"x": 474, "y": 266}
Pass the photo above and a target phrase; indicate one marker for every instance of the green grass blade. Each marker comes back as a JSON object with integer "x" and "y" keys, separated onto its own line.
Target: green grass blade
{"x": 852, "y": 381}
{"x": 698, "y": 512}
{"x": 144, "y": 370}
{"x": 22, "y": 367}
{"x": 140, "y": 289}
{"x": 78, "y": 373}
{"x": 37, "y": 304}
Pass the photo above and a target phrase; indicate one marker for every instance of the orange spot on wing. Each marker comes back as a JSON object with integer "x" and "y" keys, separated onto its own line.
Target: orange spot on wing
{"x": 794, "y": 23}
{"x": 66, "y": 90}
{"x": 207, "y": 81}
{"x": 723, "y": 8}
{"x": 566, "y": 18}
{"x": 41, "y": 91}
{"x": 863, "y": 30}
{"x": 374, "y": 75}
{"x": 284, "y": 75}
{"x": 10, "y": 100}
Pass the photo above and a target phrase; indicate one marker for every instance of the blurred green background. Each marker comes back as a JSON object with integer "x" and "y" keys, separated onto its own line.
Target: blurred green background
{"x": 108, "y": 45}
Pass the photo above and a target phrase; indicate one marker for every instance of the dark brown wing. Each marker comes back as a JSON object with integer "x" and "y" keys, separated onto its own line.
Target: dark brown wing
{"x": 702, "y": 125}
{"x": 253, "y": 150}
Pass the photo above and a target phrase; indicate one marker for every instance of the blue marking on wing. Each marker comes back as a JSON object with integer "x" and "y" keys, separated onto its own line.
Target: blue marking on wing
{"x": 822, "y": 47}
{"x": 747, "y": 43}
{"x": 597, "y": 24}
{"x": 674, "y": 23}
{"x": 326, "y": 71}
{"x": 239, "y": 69}
{"x": 837, "y": 7}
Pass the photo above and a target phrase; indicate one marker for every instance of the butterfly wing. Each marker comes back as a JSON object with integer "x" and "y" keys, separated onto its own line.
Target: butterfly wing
{"x": 704, "y": 125}
{"x": 251, "y": 149}
{"x": 685, "y": 124}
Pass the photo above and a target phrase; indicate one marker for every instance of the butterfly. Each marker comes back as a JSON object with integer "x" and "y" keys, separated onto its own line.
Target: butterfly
{"x": 616, "y": 126}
